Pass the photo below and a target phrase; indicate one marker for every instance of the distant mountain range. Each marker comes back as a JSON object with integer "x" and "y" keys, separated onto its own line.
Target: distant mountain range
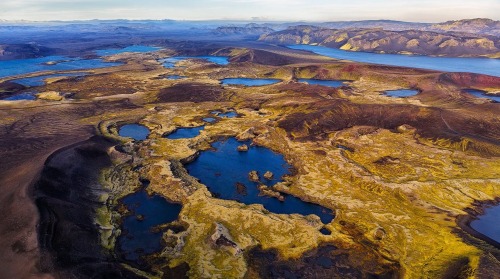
{"x": 470, "y": 38}
{"x": 467, "y": 37}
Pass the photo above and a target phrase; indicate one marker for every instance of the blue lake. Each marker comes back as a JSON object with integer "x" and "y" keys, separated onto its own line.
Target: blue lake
{"x": 136, "y": 48}
{"x": 485, "y": 66}
{"x": 489, "y": 223}
{"x": 185, "y": 133}
{"x": 147, "y": 212}
{"x": 221, "y": 168}
{"x": 135, "y": 131}
{"x": 219, "y": 60}
{"x": 401, "y": 93}
{"x": 23, "y": 96}
{"x": 482, "y": 94}
{"x": 25, "y": 66}
{"x": 249, "y": 81}
{"x": 329, "y": 83}
{"x": 40, "y": 80}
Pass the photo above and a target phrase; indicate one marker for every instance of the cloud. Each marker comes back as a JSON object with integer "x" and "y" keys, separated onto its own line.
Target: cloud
{"x": 312, "y": 10}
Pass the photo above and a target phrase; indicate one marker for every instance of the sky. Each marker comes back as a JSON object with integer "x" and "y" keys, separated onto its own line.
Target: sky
{"x": 265, "y": 10}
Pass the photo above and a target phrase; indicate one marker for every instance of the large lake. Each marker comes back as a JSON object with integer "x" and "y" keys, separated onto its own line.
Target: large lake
{"x": 485, "y": 66}
{"x": 50, "y": 63}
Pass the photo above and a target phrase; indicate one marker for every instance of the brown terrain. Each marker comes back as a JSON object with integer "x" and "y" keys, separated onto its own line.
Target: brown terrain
{"x": 399, "y": 173}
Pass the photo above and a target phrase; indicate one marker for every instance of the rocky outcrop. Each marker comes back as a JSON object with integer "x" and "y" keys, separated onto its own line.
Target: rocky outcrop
{"x": 384, "y": 41}
{"x": 222, "y": 239}
{"x": 242, "y": 148}
{"x": 253, "y": 176}
{"x": 268, "y": 175}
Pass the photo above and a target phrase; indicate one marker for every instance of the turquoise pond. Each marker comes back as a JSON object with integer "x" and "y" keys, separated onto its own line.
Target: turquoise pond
{"x": 171, "y": 61}
{"x": 135, "y": 48}
{"x": 135, "y": 131}
{"x": 249, "y": 81}
{"x": 185, "y": 133}
{"x": 482, "y": 94}
{"x": 62, "y": 63}
{"x": 401, "y": 93}
{"x": 329, "y": 83}
{"x": 489, "y": 223}
{"x": 485, "y": 66}
{"x": 223, "y": 168}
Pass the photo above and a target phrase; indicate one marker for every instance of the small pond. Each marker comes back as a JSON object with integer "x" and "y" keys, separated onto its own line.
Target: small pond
{"x": 401, "y": 93}
{"x": 135, "y": 131}
{"x": 489, "y": 223}
{"x": 482, "y": 94}
{"x": 249, "y": 81}
{"x": 325, "y": 231}
{"x": 185, "y": 133}
{"x": 135, "y": 48}
{"x": 225, "y": 170}
{"x": 139, "y": 237}
{"x": 329, "y": 83}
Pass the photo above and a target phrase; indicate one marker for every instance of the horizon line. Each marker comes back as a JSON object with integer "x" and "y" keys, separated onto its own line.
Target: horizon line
{"x": 227, "y": 19}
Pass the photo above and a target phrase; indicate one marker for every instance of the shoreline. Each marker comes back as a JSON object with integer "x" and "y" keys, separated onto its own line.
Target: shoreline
{"x": 476, "y": 210}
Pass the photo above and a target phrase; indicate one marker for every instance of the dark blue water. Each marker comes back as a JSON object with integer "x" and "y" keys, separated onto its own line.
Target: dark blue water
{"x": 485, "y": 66}
{"x": 249, "y": 81}
{"x": 23, "y": 96}
{"x": 185, "y": 133}
{"x": 482, "y": 94}
{"x": 219, "y": 60}
{"x": 401, "y": 93}
{"x": 40, "y": 80}
{"x": 325, "y": 231}
{"x": 138, "y": 238}
{"x": 136, "y": 48}
{"x": 222, "y": 168}
{"x": 209, "y": 119}
{"x": 25, "y": 66}
{"x": 175, "y": 77}
{"x": 135, "y": 131}
{"x": 489, "y": 223}
{"x": 329, "y": 83}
